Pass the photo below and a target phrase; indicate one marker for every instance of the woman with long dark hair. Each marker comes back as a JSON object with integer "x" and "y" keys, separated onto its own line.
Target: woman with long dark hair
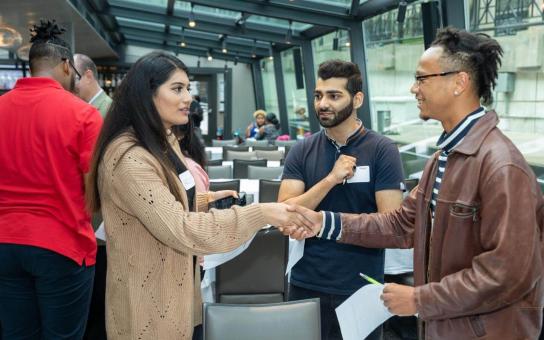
{"x": 271, "y": 128}
{"x": 155, "y": 222}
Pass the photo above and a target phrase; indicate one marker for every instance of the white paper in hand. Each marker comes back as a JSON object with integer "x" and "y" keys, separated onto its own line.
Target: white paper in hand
{"x": 362, "y": 312}
{"x": 100, "y": 233}
{"x": 296, "y": 251}
{"x": 214, "y": 260}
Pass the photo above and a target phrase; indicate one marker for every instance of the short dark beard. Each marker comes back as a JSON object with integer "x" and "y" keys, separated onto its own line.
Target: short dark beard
{"x": 339, "y": 116}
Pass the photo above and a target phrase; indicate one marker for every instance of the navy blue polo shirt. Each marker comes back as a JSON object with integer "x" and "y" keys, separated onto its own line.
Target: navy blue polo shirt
{"x": 327, "y": 266}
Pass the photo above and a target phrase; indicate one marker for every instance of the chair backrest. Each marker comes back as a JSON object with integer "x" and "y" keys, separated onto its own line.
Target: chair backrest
{"x": 232, "y": 155}
{"x": 250, "y": 142}
{"x": 298, "y": 320}
{"x": 268, "y": 190}
{"x": 265, "y": 147}
{"x": 216, "y": 142}
{"x": 225, "y": 185}
{"x": 261, "y": 172}
{"x": 208, "y": 155}
{"x": 240, "y": 166}
{"x": 258, "y": 274}
{"x": 276, "y": 155}
{"x": 285, "y": 142}
{"x": 219, "y": 171}
{"x": 228, "y": 148}
{"x": 214, "y": 162}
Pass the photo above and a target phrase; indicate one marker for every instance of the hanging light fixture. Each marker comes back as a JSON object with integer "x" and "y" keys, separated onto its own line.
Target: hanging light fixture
{"x": 289, "y": 34}
{"x": 236, "y": 58}
{"x": 183, "y": 44}
{"x": 9, "y": 37}
{"x": 348, "y": 44}
{"x": 254, "y": 49}
{"x": 335, "y": 42}
{"x": 209, "y": 55}
{"x": 192, "y": 21}
{"x": 226, "y": 67}
{"x": 270, "y": 52}
{"x": 224, "y": 44}
{"x": 198, "y": 62}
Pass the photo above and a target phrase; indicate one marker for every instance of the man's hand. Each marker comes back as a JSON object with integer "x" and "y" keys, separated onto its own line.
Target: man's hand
{"x": 280, "y": 216}
{"x": 399, "y": 299}
{"x": 313, "y": 221}
{"x": 344, "y": 168}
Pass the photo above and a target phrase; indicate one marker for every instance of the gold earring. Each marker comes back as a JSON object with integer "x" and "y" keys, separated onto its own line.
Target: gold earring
{"x": 455, "y": 93}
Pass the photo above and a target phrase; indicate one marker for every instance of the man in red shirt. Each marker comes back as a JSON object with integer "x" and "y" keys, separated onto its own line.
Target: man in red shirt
{"x": 47, "y": 245}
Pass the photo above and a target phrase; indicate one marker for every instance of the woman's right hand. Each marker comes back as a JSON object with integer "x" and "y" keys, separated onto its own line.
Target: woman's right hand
{"x": 278, "y": 215}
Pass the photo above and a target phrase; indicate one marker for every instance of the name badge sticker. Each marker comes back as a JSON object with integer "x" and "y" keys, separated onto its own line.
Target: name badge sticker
{"x": 361, "y": 175}
{"x": 187, "y": 179}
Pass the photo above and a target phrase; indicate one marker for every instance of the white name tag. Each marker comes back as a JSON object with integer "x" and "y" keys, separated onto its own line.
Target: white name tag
{"x": 361, "y": 175}
{"x": 187, "y": 179}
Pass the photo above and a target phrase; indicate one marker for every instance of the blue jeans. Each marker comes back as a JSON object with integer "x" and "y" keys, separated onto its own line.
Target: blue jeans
{"x": 330, "y": 329}
{"x": 43, "y": 295}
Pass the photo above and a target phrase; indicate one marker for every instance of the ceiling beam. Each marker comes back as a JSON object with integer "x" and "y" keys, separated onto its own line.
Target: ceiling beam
{"x": 271, "y": 9}
{"x": 188, "y": 51}
{"x": 372, "y": 8}
{"x": 206, "y": 23}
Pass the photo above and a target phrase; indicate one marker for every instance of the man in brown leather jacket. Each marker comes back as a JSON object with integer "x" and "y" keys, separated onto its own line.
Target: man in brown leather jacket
{"x": 475, "y": 220}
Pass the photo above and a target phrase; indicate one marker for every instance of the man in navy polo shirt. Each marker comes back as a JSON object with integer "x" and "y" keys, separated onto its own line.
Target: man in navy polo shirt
{"x": 343, "y": 168}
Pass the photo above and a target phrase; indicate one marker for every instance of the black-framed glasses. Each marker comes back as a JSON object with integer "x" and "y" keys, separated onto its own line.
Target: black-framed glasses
{"x": 78, "y": 76}
{"x": 419, "y": 79}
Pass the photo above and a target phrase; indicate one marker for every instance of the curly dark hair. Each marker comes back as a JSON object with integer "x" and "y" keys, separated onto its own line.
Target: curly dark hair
{"x": 475, "y": 53}
{"x": 47, "y": 46}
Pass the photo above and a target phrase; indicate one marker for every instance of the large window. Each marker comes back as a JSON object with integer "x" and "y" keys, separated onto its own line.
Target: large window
{"x": 269, "y": 86}
{"x": 393, "y": 51}
{"x": 295, "y": 94}
{"x": 519, "y": 96}
{"x": 331, "y": 46}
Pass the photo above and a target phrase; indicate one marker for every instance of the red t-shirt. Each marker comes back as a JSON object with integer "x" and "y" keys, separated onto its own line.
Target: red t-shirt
{"x": 47, "y": 136}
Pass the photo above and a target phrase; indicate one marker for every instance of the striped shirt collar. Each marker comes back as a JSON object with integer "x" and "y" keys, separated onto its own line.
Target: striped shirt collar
{"x": 448, "y": 141}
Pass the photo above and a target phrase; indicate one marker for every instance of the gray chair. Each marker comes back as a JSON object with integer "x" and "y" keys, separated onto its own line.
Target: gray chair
{"x": 214, "y": 162}
{"x": 233, "y": 148}
{"x": 219, "y": 171}
{"x": 265, "y": 148}
{"x": 268, "y": 190}
{"x": 216, "y": 142}
{"x": 256, "y": 143}
{"x": 232, "y": 155}
{"x": 270, "y": 155}
{"x": 285, "y": 142}
{"x": 225, "y": 185}
{"x": 258, "y": 274}
{"x": 261, "y": 172}
{"x": 298, "y": 320}
{"x": 240, "y": 166}
{"x": 208, "y": 155}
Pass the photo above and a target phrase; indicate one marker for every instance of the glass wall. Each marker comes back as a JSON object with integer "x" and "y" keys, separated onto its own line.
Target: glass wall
{"x": 519, "y": 95}
{"x": 269, "y": 86}
{"x": 393, "y": 51}
{"x": 295, "y": 97}
{"x": 325, "y": 48}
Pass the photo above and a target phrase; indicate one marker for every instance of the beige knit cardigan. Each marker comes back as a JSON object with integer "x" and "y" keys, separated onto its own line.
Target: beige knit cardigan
{"x": 151, "y": 291}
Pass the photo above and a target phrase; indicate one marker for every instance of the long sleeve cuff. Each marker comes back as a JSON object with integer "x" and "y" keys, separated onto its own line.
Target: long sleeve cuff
{"x": 331, "y": 226}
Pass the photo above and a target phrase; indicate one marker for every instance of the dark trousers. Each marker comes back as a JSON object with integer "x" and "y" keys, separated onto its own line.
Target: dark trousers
{"x": 330, "y": 329}
{"x": 96, "y": 324}
{"x": 43, "y": 295}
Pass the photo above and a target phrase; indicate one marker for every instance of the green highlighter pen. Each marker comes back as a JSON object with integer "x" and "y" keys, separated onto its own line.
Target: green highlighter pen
{"x": 369, "y": 279}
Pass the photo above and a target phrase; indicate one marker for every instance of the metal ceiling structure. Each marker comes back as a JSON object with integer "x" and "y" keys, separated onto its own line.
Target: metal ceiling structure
{"x": 234, "y": 30}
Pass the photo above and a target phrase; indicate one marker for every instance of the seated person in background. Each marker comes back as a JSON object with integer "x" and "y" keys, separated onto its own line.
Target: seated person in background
{"x": 155, "y": 221}
{"x": 301, "y": 114}
{"x": 253, "y": 128}
{"x": 270, "y": 130}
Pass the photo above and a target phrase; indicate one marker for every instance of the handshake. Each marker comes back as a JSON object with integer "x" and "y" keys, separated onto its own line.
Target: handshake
{"x": 293, "y": 220}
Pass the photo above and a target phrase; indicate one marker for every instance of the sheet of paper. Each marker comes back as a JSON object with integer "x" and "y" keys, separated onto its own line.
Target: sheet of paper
{"x": 207, "y": 287}
{"x": 296, "y": 251}
{"x": 100, "y": 233}
{"x": 362, "y": 312}
{"x": 214, "y": 260}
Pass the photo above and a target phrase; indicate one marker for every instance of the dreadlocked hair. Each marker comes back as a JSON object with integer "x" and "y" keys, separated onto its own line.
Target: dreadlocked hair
{"x": 478, "y": 54}
{"x": 47, "y": 46}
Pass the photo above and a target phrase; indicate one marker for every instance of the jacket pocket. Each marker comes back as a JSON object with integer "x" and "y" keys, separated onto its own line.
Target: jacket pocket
{"x": 477, "y": 325}
{"x": 465, "y": 211}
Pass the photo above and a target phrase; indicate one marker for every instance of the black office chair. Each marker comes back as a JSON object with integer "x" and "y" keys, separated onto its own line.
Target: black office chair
{"x": 233, "y": 148}
{"x": 240, "y": 166}
{"x": 410, "y": 183}
{"x": 225, "y": 185}
{"x": 268, "y": 190}
{"x": 258, "y": 274}
{"x": 265, "y": 147}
